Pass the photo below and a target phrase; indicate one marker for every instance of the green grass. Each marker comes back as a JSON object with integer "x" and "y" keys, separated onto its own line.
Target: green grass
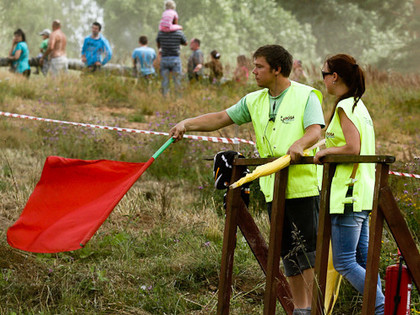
{"x": 159, "y": 251}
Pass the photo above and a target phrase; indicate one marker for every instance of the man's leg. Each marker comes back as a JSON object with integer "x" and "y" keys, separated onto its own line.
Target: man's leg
{"x": 177, "y": 68}
{"x": 164, "y": 72}
{"x": 298, "y": 248}
{"x": 301, "y": 287}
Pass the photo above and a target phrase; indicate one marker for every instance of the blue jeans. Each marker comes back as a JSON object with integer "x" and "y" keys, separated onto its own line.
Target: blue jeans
{"x": 350, "y": 240}
{"x": 167, "y": 65}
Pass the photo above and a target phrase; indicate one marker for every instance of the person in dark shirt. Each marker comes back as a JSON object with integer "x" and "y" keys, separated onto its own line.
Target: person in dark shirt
{"x": 169, "y": 44}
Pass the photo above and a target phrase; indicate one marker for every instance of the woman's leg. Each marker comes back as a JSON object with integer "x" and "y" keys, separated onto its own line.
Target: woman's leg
{"x": 350, "y": 237}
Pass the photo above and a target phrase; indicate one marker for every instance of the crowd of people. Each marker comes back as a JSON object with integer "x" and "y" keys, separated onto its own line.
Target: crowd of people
{"x": 96, "y": 52}
{"x": 282, "y": 107}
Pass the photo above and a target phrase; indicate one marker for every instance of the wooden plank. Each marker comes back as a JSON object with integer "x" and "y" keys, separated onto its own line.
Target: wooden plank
{"x": 401, "y": 233}
{"x": 326, "y": 159}
{"x": 375, "y": 243}
{"x": 323, "y": 241}
{"x": 259, "y": 248}
{"x": 274, "y": 249}
{"x": 229, "y": 243}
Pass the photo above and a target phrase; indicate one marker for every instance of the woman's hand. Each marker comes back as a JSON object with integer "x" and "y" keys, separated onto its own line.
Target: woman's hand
{"x": 319, "y": 155}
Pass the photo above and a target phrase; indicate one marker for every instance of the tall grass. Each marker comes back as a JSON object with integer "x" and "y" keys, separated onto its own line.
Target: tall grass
{"x": 159, "y": 251}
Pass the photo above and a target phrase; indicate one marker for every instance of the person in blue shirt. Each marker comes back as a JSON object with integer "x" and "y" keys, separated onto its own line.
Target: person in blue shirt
{"x": 143, "y": 58}
{"x": 96, "y": 51}
{"x": 19, "y": 54}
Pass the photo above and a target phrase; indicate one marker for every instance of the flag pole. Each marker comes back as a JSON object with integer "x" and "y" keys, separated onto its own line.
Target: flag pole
{"x": 163, "y": 147}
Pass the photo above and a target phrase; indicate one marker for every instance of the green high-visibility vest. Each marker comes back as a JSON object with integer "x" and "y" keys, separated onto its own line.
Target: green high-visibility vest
{"x": 273, "y": 138}
{"x": 364, "y": 181}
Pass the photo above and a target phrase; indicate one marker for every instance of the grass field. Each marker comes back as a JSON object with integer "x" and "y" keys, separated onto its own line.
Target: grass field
{"x": 159, "y": 251}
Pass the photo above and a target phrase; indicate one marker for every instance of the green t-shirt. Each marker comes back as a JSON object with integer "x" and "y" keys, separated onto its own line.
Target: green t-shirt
{"x": 44, "y": 45}
{"x": 313, "y": 114}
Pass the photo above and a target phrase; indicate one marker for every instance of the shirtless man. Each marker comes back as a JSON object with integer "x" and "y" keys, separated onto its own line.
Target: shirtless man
{"x": 56, "y": 50}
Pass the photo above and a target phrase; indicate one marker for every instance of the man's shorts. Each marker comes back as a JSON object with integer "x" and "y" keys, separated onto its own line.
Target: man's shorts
{"x": 58, "y": 65}
{"x": 299, "y": 234}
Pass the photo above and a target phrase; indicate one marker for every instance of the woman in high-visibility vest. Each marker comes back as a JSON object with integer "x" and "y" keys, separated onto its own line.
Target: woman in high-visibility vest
{"x": 350, "y": 131}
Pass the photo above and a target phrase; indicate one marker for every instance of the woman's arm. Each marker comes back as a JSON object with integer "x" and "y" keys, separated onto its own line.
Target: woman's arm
{"x": 352, "y": 136}
{"x": 17, "y": 53}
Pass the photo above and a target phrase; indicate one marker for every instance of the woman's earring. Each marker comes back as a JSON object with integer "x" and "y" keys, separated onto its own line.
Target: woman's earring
{"x": 333, "y": 82}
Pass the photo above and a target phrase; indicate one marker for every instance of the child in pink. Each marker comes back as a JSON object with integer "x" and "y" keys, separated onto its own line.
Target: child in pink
{"x": 169, "y": 21}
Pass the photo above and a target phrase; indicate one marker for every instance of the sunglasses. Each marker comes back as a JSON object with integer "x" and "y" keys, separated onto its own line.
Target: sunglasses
{"x": 325, "y": 73}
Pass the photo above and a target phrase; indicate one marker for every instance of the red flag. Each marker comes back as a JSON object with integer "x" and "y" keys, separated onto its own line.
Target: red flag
{"x": 70, "y": 202}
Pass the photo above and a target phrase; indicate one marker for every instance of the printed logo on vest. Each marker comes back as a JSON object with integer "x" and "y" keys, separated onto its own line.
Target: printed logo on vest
{"x": 329, "y": 135}
{"x": 368, "y": 121}
{"x": 287, "y": 119}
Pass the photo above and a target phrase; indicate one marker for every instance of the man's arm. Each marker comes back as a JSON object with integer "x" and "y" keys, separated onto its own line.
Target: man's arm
{"x": 207, "y": 122}
{"x": 108, "y": 51}
{"x": 311, "y": 136}
{"x": 84, "y": 60}
{"x": 199, "y": 61}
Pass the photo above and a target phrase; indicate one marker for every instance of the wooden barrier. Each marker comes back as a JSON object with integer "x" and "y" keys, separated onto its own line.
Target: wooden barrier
{"x": 384, "y": 207}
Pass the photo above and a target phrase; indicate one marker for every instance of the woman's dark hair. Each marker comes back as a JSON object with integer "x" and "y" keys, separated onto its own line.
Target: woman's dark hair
{"x": 215, "y": 54}
{"x": 20, "y": 33}
{"x": 352, "y": 75}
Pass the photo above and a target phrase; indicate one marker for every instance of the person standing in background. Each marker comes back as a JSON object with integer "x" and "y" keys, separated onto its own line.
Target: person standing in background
{"x": 216, "y": 68}
{"x": 96, "y": 51}
{"x": 143, "y": 58}
{"x": 241, "y": 72}
{"x": 19, "y": 54}
{"x": 43, "y": 48}
{"x": 56, "y": 51}
{"x": 170, "y": 62}
{"x": 195, "y": 61}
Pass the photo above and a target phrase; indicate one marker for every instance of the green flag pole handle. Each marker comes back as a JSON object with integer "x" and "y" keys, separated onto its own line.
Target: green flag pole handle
{"x": 163, "y": 148}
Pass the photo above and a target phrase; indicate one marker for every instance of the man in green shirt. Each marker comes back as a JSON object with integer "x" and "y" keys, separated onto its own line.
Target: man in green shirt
{"x": 287, "y": 118}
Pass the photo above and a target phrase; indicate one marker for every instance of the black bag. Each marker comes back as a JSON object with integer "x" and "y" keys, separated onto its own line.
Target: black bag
{"x": 222, "y": 173}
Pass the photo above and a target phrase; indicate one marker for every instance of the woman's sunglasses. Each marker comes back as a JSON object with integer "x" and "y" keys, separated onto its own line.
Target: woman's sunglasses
{"x": 325, "y": 73}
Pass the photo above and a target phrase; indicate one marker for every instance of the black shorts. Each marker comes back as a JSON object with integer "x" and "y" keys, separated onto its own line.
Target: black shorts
{"x": 300, "y": 227}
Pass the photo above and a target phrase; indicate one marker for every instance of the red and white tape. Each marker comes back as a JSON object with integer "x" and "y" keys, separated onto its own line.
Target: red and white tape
{"x": 404, "y": 174}
{"x": 193, "y": 137}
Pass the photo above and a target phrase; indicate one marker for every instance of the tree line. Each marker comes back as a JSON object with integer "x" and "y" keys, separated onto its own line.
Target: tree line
{"x": 384, "y": 34}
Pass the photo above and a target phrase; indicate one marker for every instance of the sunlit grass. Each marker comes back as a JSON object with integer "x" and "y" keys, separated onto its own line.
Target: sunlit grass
{"x": 159, "y": 251}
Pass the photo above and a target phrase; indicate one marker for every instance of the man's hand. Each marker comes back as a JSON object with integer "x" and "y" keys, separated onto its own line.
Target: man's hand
{"x": 98, "y": 64}
{"x": 177, "y": 132}
{"x": 198, "y": 67}
{"x": 84, "y": 59}
{"x": 295, "y": 151}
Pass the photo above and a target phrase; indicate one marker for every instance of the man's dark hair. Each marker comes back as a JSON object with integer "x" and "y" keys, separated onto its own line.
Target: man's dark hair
{"x": 143, "y": 40}
{"x": 98, "y": 25}
{"x": 197, "y": 41}
{"x": 20, "y": 33}
{"x": 276, "y": 56}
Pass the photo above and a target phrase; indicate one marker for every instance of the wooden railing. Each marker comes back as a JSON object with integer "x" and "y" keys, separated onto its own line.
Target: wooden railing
{"x": 268, "y": 256}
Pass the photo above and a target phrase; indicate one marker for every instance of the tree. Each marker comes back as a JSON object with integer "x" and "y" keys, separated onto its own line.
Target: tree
{"x": 371, "y": 30}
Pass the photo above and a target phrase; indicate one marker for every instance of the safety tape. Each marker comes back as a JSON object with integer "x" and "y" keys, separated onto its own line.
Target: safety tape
{"x": 404, "y": 174}
{"x": 193, "y": 137}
